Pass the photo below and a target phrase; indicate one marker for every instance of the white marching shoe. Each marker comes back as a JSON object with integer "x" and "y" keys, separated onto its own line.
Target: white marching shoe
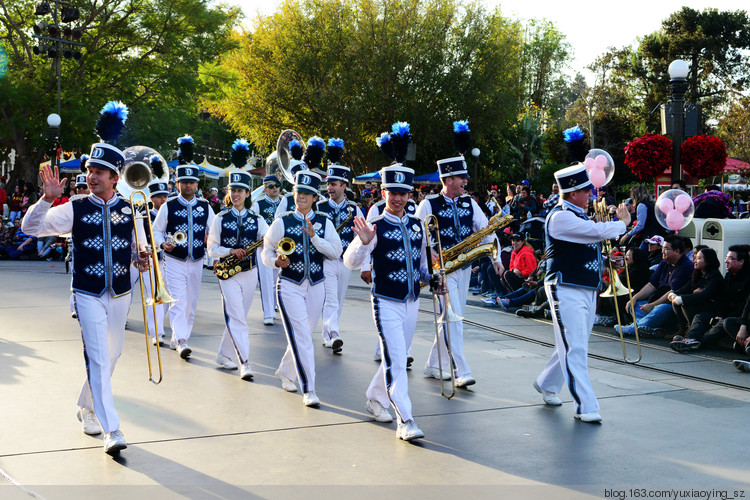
{"x": 286, "y": 383}
{"x": 246, "y": 372}
{"x": 435, "y": 373}
{"x": 465, "y": 381}
{"x": 114, "y": 442}
{"x": 183, "y": 349}
{"x": 225, "y": 362}
{"x": 378, "y": 411}
{"x": 91, "y": 426}
{"x": 549, "y": 398}
{"x": 408, "y": 431}
{"x": 311, "y": 399}
{"x": 591, "y": 417}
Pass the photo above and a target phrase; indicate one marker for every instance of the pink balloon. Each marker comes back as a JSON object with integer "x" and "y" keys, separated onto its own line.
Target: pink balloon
{"x": 598, "y": 178}
{"x": 682, "y": 203}
{"x": 600, "y": 162}
{"x": 666, "y": 205}
{"x": 675, "y": 220}
{"x": 589, "y": 164}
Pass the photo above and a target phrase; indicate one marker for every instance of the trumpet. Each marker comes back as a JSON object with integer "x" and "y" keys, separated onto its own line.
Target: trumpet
{"x": 616, "y": 287}
{"x": 177, "y": 238}
{"x": 285, "y": 247}
{"x": 446, "y": 315}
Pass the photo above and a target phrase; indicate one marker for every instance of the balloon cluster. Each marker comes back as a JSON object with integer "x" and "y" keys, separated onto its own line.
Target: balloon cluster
{"x": 674, "y": 209}
{"x": 600, "y": 166}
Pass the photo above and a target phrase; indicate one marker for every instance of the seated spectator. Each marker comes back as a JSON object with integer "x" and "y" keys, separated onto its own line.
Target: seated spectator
{"x": 522, "y": 263}
{"x": 737, "y": 328}
{"x": 21, "y": 244}
{"x": 698, "y": 301}
{"x": 45, "y": 248}
{"x": 646, "y": 224}
{"x": 524, "y": 205}
{"x": 638, "y": 275}
{"x": 654, "y": 251}
{"x": 554, "y": 199}
{"x": 532, "y": 290}
{"x": 650, "y": 306}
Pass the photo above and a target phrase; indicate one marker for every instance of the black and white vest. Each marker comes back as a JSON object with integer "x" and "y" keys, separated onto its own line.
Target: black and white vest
{"x": 239, "y": 230}
{"x": 192, "y": 219}
{"x": 291, "y": 205}
{"x": 337, "y": 215}
{"x": 455, "y": 219}
{"x": 267, "y": 208}
{"x": 102, "y": 236}
{"x": 574, "y": 264}
{"x": 396, "y": 259}
{"x": 305, "y": 262}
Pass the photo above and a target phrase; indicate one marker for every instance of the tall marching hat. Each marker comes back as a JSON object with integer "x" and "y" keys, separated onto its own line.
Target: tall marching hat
{"x": 336, "y": 171}
{"x": 448, "y": 167}
{"x": 158, "y": 187}
{"x": 185, "y": 144}
{"x": 109, "y": 127}
{"x": 186, "y": 171}
{"x": 157, "y": 166}
{"x": 239, "y": 179}
{"x": 397, "y": 178}
{"x": 307, "y": 181}
{"x": 316, "y": 148}
{"x": 573, "y": 178}
{"x": 84, "y": 159}
{"x": 296, "y": 163}
{"x": 240, "y": 152}
{"x": 395, "y": 144}
{"x": 81, "y": 180}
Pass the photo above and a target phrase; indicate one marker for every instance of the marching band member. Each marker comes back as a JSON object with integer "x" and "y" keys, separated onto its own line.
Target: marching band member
{"x": 301, "y": 160}
{"x": 395, "y": 244}
{"x": 183, "y": 262}
{"x": 81, "y": 190}
{"x": 103, "y": 237}
{"x": 266, "y": 207}
{"x": 232, "y": 231}
{"x": 574, "y": 270}
{"x": 339, "y": 210}
{"x": 458, "y": 217}
{"x": 300, "y": 290}
{"x": 158, "y": 191}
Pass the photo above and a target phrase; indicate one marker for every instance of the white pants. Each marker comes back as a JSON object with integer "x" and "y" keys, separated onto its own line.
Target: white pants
{"x": 458, "y": 289}
{"x": 337, "y": 280}
{"x": 237, "y": 295}
{"x": 184, "y": 284}
{"x": 267, "y": 278}
{"x": 159, "y": 309}
{"x": 573, "y": 312}
{"x": 300, "y": 307}
{"x": 395, "y": 322}
{"x": 102, "y": 321}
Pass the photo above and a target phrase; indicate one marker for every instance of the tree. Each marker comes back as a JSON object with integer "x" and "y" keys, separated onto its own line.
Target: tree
{"x": 350, "y": 68}
{"x": 734, "y": 128}
{"x": 544, "y": 56}
{"x": 143, "y": 53}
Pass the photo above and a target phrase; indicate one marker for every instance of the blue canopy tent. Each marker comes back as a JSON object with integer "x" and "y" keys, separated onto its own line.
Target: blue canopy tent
{"x": 71, "y": 166}
{"x": 371, "y": 177}
{"x": 433, "y": 178}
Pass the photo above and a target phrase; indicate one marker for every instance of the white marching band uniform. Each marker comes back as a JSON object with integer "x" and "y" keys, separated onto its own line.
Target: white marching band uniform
{"x": 237, "y": 291}
{"x": 267, "y": 276}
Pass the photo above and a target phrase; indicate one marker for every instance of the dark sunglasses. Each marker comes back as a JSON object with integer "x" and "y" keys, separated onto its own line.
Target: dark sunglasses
{"x": 273, "y": 186}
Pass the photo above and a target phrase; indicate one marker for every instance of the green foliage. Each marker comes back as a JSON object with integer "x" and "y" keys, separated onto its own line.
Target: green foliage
{"x": 349, "y": 69}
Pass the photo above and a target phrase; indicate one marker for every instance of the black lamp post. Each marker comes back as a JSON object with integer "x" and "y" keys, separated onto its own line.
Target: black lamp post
{"x": 475, "y": 153}
{"x": 53, "y": 121}
{"x": 678, "y": 72}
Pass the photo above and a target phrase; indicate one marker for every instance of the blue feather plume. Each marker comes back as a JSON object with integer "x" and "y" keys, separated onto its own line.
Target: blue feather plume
{"x": 461, "y": 136}
{"x": 400, "y": 137}
{"x": 573, "y": 134}
{"x": 241, "y": 144}
{"x": 461, "y": 126}
{"x": 335, "y": 143}
{"x": 335, "y": 150}
{"x": 84, "y": 160}
{"x": 185, "y": 139}
{"x": 385, "y": 144}
{"x": 295, "y": 148}
{"x": 111, "y": 121}
{"x": 316, "y": 148}
{"x": 185, "y": 144}
{"x": 400, "y": 128}
{"x": 157, "y": 167}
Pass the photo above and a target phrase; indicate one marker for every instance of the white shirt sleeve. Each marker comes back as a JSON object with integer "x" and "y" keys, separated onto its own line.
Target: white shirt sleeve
{"x": 424, "y": 209}
{"x": 160, "y": 225}
{"x": 330, "y": 244}
{"x": 215, "y": 250}
{"x": 270, "y": 242}
{"x": 42, "y": 219}
{"x": 281, "y": 208}
{"x": 566, "y": 226}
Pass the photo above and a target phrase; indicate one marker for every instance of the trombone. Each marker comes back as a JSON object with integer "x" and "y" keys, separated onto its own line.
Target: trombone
{"x": 437, "y": 269}
{"x": 616, "y": 288}
{"x": 137, "y": 176}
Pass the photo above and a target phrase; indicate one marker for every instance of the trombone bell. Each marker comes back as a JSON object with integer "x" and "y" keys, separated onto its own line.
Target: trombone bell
{"x": 620, "y": 289}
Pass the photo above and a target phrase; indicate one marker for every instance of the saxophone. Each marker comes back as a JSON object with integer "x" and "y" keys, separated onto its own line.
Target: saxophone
{"x": 470, "y": 249}
{"x": 345, "y": 221}
{"x": 230, "y": 265}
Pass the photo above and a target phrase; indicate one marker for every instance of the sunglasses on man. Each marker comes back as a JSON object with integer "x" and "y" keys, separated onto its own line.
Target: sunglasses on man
{"x": 273, "y": 186}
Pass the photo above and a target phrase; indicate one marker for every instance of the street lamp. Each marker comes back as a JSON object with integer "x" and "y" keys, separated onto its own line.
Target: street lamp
{"x": 678, "y": 72}
{"x": 475, "y": 154}
{"x": 53, "y": 120}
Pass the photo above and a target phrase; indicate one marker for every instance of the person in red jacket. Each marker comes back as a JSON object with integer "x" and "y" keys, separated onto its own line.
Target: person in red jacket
{"x": 522, "y": 263}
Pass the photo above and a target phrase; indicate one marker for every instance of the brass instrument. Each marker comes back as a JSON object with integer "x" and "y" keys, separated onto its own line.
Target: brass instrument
{"x": 437, "y": 268}
{"x": 285, "y": 247}
{"x": 345, "y": 221}
{"x": 615, "y": 285}
{"x": 231, "y": 265}
{"x": 175, "y": 239}
{"x": 137, "y": 176}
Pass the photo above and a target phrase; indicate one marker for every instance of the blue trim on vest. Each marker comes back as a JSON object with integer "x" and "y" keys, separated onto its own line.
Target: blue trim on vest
{"x": 573, "y": 264}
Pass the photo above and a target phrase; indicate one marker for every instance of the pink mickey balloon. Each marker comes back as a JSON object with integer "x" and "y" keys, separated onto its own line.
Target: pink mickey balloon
{"x": 675, "y": 220}
{"x": 600, "y": 162}
{"x": 682, "y": 203}
{"x": 598, "y": 177}
{"x": 666, "y": 205}
{"x": 589, "y": 164}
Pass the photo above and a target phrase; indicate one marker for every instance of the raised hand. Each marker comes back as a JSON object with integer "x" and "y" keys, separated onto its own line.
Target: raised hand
{"x": 363, "y": 230}
{"x": 51, "y": 183}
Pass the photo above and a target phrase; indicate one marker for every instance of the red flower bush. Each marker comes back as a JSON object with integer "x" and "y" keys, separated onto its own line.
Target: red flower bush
{"x": 649, "y": 156}
{"x": 703, "y": 156}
